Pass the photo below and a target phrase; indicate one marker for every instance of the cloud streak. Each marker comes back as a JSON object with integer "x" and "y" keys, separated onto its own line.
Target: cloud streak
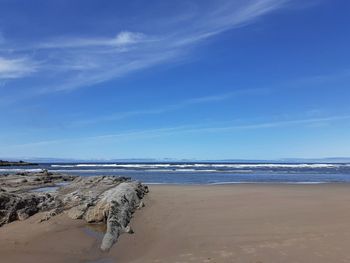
{"x": 83, "y": 62}
{"x": 174, "y": 107}
{"x": 16, "y": 67}
{"x": 189, "y": 129}
{"x": 124, "y": 38}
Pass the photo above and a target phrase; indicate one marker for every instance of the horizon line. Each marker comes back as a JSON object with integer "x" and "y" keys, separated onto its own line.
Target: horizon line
{"x": 170, "y": 160}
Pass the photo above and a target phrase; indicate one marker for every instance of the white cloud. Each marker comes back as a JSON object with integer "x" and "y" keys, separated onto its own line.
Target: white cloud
{"x": 122, "y": 39}
{"x": 226, "y": 15}
{"x": 125, "y": 38}
{"x": 16, "y": 68}
{"x": 85, "y": 61}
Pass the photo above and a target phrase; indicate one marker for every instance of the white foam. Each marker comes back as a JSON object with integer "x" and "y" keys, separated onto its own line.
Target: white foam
{"x": 63, "y": 165}
{"x": 224, "y": 183}
{"x": 199, "y": 165}
{"x": 272, "y": 165}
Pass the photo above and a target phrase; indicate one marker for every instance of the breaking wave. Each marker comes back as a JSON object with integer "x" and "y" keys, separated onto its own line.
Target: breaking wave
{"x": 204, "y": 166}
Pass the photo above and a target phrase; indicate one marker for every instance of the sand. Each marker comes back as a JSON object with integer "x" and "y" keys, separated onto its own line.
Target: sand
{"x": 228, "y": 223}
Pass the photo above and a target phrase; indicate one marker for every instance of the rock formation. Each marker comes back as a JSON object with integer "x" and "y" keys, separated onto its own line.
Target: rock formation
{"x": 96, "y": 199}
{"x": 20, "y": 163}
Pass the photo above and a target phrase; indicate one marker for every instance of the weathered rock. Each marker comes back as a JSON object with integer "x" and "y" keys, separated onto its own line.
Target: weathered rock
{"x": 123, "y": 200}
{"x": 20, "y": 206}
{"x": 104, "y": 199}
{"x": 25, "y": 181}
{"x": 95, "y": 199}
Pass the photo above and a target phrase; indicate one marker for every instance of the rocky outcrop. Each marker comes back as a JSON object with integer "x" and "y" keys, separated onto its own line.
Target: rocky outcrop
{"x": 111, "y": 200}
{"x": 21, "y": 206}
{"x": 116, "y": 206}
{"x": 25, "y": 181}
{"x": 97, "y": 199}
{"x": 20, "y": 163}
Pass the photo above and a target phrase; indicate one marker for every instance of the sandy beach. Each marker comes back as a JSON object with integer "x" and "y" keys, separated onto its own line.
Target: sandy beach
{"x": 224, "y": 223}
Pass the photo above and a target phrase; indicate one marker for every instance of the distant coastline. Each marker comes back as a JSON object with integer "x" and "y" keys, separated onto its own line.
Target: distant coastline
{"x": 19, "y": 163}
{"x": 43, "y": 160}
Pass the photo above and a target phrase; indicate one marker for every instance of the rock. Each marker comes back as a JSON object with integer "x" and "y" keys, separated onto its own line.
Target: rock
{"x": 116, "y": 207}
{"x": 23, "y": 182}
{"x": 22, "y": 214}
{"x": 95, "y": 199}
{"x": 105, "y": 199}
{"x": 20, "y": 163}
{"x": 19, "y": 206}
{"x": 141, "y": 205}
{"x": 77, "y": 212}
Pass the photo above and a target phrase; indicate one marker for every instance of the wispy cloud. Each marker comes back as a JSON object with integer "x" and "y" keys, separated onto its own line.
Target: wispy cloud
{"x": 215, "y": 128}
{"x": 275, "y": 124}
{"x": 123, "y": 39}
{"x": 173, "y": 107}
{"x": 228, "y": 15}
{"x": 16, "y": 67}
{"x": 86, "y": 61}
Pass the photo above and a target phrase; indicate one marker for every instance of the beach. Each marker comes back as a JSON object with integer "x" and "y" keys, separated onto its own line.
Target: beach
{"x": 217, "y": 223}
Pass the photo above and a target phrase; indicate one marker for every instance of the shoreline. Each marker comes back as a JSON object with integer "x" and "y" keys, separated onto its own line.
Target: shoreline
{"x": 210, "y": 173}
{"x": 233, "y": 184}
{"x": 206, "y": 223}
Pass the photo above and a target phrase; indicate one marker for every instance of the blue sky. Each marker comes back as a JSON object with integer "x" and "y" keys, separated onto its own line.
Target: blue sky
{"x": 257, "y": 79}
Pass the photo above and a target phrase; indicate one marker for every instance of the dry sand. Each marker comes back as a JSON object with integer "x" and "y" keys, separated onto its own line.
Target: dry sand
{"x": 229, "y": 223}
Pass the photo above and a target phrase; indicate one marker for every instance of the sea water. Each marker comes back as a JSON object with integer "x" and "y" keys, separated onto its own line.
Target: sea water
{"x": 204, "y": 173}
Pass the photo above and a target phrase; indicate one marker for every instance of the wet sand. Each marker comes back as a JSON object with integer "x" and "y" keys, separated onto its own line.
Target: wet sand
{"x": 228, "y": 223}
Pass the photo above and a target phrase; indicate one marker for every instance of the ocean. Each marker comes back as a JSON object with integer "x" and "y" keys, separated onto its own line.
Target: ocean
{"x": 204, "y": 173}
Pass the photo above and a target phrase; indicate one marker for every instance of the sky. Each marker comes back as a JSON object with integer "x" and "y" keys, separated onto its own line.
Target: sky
{"x": 192, "y": 79}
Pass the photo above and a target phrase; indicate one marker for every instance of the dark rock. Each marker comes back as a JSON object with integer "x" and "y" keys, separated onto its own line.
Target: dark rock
{"x": 20, "y": 163}
{"x": 18, "y": 206}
